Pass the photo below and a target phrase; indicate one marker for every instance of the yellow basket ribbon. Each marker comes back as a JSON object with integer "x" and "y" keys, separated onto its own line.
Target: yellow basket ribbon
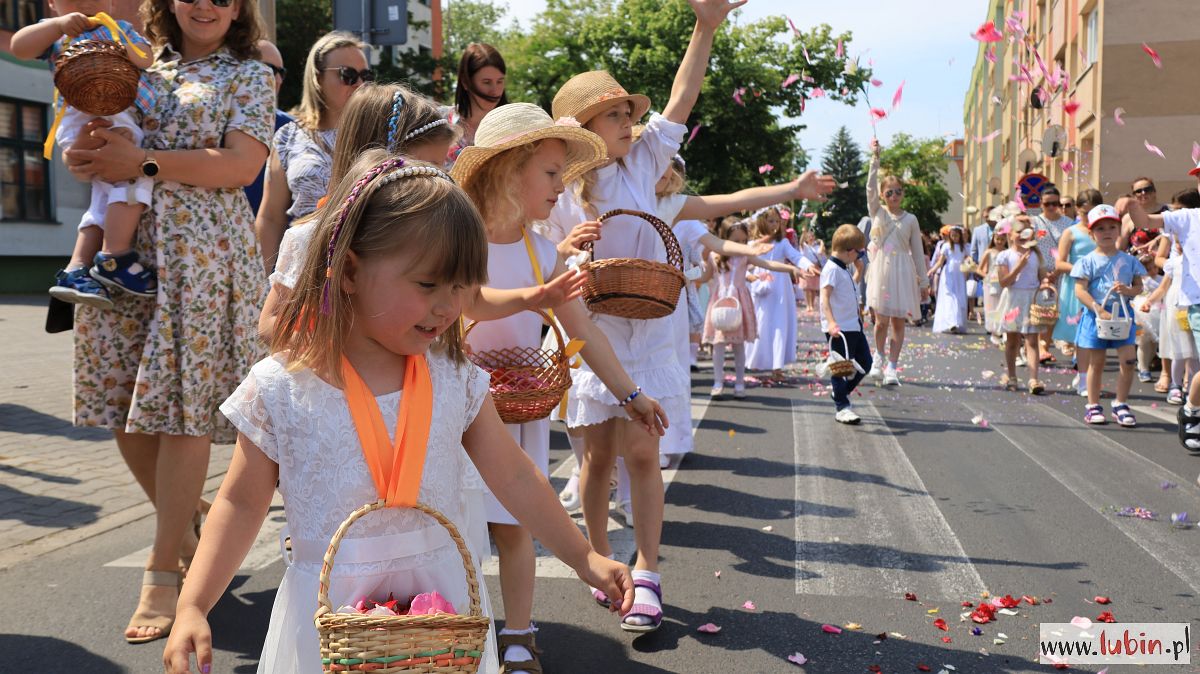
{"x": 101, "y": 19}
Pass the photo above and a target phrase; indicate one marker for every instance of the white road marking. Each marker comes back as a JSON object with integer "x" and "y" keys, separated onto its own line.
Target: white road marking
{"x": 866, "y": 526}
{"x": 1073, "y": 454}
{"x": 619, "y": 537}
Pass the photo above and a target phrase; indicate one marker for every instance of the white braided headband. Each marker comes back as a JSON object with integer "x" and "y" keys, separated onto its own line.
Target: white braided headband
{"x": 410, "y": 171}
{"x": 422, "y": 129}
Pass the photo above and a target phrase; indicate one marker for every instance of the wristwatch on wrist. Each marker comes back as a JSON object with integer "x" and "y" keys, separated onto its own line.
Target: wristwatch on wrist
{"x": 149, "y": 165}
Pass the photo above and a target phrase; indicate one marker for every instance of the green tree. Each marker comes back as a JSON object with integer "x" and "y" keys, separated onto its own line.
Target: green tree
{"x": 298, "y": 24}
{"x": 642, "y": 41}
{"x": 921, "y": 164}
{"x": 467, "y": 21}
{"x": 843, "y": 161}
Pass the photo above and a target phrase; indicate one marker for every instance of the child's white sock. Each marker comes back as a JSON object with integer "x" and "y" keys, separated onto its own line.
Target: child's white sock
{"x": 517, "y": 653}
{"x": 577, "y": 447}
{"x": 892, "y": 364}
{"x": 642, "y": 595}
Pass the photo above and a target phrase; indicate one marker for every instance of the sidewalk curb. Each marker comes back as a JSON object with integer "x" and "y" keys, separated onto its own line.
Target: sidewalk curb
{"x": 60, "y": 539}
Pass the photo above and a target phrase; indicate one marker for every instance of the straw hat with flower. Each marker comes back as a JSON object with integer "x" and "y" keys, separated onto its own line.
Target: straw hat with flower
{"x": 586, "y": 94}
{"x": 518, "y": 124}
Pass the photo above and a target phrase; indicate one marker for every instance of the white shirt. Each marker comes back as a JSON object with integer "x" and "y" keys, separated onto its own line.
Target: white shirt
{"x": 1180, "y": 224}
{"x": 843, "y": 297}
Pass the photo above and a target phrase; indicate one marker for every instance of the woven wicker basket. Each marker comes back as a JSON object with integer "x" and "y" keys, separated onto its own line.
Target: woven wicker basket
{"x": 841, "y": 368}
{"x": 634, "y": 288}
{"x": 450, "y": 644}
{"x": 96, "y": 77}
{"x": 1044, "y": 310}
{"x": 527, "y": 383}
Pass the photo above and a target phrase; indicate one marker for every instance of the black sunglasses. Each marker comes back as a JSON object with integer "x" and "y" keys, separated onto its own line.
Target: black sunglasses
{"x": 215, "y": 3}
{"x": 891, "y": 192}
{"x": 1052, "y": 203}
{"x": 1149, "y": 189}
{"x": 350, "y": 76}
{"x": 279, "y": 71}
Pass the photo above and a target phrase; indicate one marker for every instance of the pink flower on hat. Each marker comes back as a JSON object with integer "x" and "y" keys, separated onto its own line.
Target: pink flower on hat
{"x": 567, "y": 121}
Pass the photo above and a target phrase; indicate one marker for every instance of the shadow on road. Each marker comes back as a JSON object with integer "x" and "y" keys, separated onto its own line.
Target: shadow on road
{"x": 239, "y": 623}
{"x": 711, "y": 498}
{"x": 48, "y": 655}
{"x": 26, "y": 421}
{"x": 44, "y": 511}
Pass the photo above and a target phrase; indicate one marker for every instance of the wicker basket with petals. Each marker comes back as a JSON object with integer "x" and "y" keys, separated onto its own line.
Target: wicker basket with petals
{"x": 632, "y": 287}
{"x": 417, "y": 644}
{"x": 96, "y": 77}
{"x": 1044, "y": 310}
{"x": 526, "y": 383}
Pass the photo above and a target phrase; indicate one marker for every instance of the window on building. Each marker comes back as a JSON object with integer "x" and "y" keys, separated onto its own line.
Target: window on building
{"x": 16, "y": 14}
{"x": 1093, "y": 37}
{"x": 24, "y": 173}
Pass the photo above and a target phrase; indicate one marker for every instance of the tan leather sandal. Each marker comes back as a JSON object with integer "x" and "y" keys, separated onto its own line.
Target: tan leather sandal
{"x": 155, "y": 619}
{"x": 528, "y": 641}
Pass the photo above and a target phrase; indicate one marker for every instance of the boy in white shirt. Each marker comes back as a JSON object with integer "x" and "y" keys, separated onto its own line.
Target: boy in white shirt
{"x": 1184, "y": 225}
{"x": 841, "y": 316}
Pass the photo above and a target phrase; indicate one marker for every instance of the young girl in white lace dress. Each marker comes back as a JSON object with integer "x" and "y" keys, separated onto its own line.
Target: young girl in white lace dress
{"x": 380, "y": 295}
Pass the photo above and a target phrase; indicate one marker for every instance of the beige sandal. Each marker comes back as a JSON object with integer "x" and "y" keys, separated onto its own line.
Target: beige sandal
{"x": 155, "y": 619}
{"x": 529, "y": 642}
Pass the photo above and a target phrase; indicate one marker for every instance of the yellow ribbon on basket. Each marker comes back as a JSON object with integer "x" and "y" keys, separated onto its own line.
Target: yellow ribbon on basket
{"x": 114, "y": 29}
{"x": 395, "y": 465}
{"x": 575, "y": 345}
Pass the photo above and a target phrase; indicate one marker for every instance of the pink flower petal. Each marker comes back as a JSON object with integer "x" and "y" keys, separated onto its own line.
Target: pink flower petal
{"x": 990, "y": 54}
{"x": 807, "y": 58}
{"x": 708, "y": 628}
{"x": 789, "y": 81}
{"x": 737, "y": 95}
{"x": 1081, "y": 622}
{"x": 692, "y": 135}
{"x": 987, "y": 33}
{"x": 1071, "y": 107}
{"x": 816, "y": 92}
{"x": 878, "y": 114}
{"x": 990, "y": 136}
{"x": 876, "y": 83}
{"x": 794, "y": 28}
{"x": 1117, "y": 116}
{"x": 1067, "y": 166}
{"x": 749, "y": 606}
{"x": 841, "y": 49}
{"x": 1154, "y": 149}
{"x": 1153, "y": 55}
{"x": 831, "y": 629}
{"x": 897, "y": 96}
{"x": 765, "y": 168}
{"x": 797, "y": 658}
{"x": 1195, "y": 152}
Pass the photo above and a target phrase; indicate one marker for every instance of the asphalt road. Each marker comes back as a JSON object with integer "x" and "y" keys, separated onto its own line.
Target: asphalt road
{"x": 813, "y": 522}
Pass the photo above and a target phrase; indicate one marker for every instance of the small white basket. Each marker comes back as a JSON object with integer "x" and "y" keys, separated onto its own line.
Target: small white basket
{"x": 1116, "y": 328}
{"x": 727, "y": 314}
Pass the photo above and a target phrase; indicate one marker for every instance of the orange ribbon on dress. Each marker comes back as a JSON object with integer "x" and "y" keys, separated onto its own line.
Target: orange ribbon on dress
{"x": 395, "y": 466}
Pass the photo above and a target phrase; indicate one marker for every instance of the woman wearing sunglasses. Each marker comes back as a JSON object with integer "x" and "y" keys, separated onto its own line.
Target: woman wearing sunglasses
{"x": 298, "y": 171}
{"x": 154, "y": 370}
{"x": 896, "y": 279}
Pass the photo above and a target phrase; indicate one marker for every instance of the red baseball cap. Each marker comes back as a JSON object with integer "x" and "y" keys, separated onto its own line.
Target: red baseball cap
{"x": 1195, "y": 171}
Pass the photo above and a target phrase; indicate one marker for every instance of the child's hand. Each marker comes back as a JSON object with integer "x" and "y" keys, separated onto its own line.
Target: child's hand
{"x": 812, "y": 185}
{"x": 875, "y": 147}
{"x": 1143, "y": 307}
{"x": 649, "y": 415}
{"x": 610, "y": 577}
{"x": 558, "y": 292}
{"x": 73, "y": 24}
{"x": 834, "y": 330}
{"x": 1122, "y": 289}
{"x": 581, "y": 234}
{"x": 190, "y": 634}
{"x": 808, "y": 272}
{"x": 1102, "y": 314}
{"x": 762, "y": 247}
{"x": 711, "y": 13}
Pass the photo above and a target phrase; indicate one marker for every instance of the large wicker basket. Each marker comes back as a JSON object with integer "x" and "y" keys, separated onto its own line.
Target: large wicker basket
{"x": 631, "y": 287}
{"x": 527, "y": 383}
{"x": 1044, "y": 310}
{"x": 96, "y": 77}
{"x": 442, "y": 643}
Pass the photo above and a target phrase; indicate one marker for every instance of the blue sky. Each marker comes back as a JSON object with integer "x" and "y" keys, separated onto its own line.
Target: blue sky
{"x": 927, "y": 45}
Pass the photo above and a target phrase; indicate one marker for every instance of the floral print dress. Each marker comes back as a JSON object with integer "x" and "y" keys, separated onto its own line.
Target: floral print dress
{"x": 164, "y": 365}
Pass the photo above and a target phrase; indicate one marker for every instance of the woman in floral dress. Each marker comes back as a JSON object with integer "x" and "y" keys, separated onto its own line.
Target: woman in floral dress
{"x": 155, "y": 370}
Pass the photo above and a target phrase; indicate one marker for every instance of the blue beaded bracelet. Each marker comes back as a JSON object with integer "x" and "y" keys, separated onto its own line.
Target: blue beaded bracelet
{"x": 630, "y": 398}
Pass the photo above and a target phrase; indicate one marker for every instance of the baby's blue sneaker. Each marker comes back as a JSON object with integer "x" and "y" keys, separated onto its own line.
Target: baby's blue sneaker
{"x": 124, "y": 272}
{"x": 77, "y": 287}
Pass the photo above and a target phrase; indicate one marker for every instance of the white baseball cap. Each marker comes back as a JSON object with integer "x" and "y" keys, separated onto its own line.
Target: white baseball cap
{"x": 1102, "y": 212}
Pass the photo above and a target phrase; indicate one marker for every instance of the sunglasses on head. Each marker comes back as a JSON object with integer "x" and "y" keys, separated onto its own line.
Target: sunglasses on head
{"x": 898, "y": 192}
{"x": 350, "y": 76}
{"x": 1149, "y": 189}
{"x": 215, "y": 3}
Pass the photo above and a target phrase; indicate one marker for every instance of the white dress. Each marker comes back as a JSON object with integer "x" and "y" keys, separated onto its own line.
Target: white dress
{"x": 644, "y": 348}
{"x": 678, "y": 439}
{"x": 775, "y": 313}
{"x": 951, "y": 309}
{"x": 1173, "y": 341}
{"x": 509, "y": 267}
{"x": 303, "y": 424}
{"x": 293, "y": 250}
{"x": 897, "y": 270}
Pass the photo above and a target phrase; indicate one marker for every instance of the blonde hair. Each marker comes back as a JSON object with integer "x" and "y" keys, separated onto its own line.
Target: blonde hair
{"x": 760, "y": 224}
{"x": 495, "y": 187}
{"x": 676, "y": 179}
{"x": 848, "y": 237}
{"x": 367, "y": 119}
{"x": 1021, "y": 223}
{"x": 427, "y": 215}
{"x": 162, "y": 28}
{"x": 312, "y": 99}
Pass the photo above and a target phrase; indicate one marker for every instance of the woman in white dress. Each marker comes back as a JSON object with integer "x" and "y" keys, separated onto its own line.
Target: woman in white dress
{"x": 896, "y": 278}
{"x": 775, "y": 301}
{"x": 951, "y": 312}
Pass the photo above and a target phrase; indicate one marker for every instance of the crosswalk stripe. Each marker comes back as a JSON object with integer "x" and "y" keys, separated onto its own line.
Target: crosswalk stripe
{"x": 621, "y": 538}
{"x": 866, "y": 526}
{"x": 1102, "y": 473}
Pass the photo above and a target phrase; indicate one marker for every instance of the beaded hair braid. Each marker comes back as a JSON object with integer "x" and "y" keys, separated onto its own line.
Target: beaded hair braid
{"x": 387, "y": 166}
{"x": 394, "y": 120}
{"x": 422, "y": 129}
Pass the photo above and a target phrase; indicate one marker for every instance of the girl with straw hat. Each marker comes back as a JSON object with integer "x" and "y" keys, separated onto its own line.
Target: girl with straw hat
{"x": 598, "y": 102}
{"x": 514, "y": 173}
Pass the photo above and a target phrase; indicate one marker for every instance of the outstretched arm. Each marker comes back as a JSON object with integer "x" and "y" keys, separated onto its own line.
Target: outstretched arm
{"x": 873, "y": 181}
{"x": 690, "y": 76}
{"x": 810, "y": 185}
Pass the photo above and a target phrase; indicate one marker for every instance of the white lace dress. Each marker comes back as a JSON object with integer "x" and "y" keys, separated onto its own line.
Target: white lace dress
{"x": 303, "y": 424}
{"x": 293, "y": 250}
